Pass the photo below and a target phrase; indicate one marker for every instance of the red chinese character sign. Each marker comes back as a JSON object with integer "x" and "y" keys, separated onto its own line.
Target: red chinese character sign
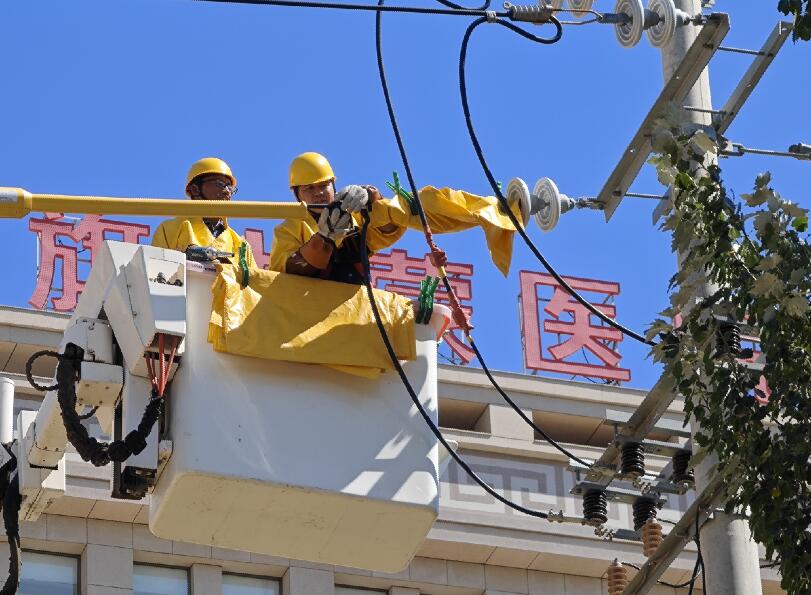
{"x": 400, "y": 273}
{"x": 569, "y": 331}
{"x": 86, "y": 235}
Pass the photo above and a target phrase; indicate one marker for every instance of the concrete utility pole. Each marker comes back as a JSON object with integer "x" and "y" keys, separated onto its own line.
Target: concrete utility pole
{"x": 730, "y": 554}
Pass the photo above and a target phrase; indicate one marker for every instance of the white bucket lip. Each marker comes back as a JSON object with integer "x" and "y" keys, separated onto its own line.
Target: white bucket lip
{"x": 440, "y": 319}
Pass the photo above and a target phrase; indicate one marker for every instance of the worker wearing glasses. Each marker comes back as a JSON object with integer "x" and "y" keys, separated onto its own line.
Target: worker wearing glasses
{"x": 205, "y": 239}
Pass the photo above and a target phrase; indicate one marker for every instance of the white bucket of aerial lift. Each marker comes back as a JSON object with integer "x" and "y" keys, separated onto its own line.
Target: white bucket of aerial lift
{"x": 297, "y": 460}
{"x": 141, "y": 289}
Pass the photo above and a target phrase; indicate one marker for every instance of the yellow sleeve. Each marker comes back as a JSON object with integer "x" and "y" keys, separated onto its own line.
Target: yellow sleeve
{"x": 288, "y": 237}
{"x": 175, "y": 234}
{"x": 385, "y": 212}
{"x": 160, "y": 238}
{"x": 450, "y": 210}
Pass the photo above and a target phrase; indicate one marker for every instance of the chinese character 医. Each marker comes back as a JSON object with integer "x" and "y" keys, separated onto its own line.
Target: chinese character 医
{"x": 573, "y": 325}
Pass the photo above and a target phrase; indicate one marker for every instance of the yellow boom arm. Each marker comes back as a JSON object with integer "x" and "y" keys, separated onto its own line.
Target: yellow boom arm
{"x": 17, "y": 203}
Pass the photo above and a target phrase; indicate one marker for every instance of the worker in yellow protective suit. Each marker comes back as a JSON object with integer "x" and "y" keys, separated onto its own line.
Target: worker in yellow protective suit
{"x": 326, "y": 244}
{"x": 315, "y": 247}
{"x": 201, "y": 238}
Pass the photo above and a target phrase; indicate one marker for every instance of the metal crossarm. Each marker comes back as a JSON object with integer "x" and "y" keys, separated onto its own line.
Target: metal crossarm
{"x": 676, "y": 89}
{"x": 752, "y": 76}
{"x": 642, "y": 421}
{"x": 694, "y": 62}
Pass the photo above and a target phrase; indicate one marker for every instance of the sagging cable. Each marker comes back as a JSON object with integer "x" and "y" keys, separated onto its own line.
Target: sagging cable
{"x": 412, "y": 393}
{"x": 438, "y": 256}
{"x": 500, "y": 196}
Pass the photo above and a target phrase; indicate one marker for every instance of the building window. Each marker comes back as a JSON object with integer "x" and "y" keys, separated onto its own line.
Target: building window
{"x": 234, "y": 584}
{"x": 47, "y": 574}
{"x": 159, "y": 580}
{"x": 356, "y": 591}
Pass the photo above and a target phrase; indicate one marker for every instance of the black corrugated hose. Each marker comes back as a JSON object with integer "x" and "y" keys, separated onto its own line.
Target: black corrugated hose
{"x": 89, "y": 448}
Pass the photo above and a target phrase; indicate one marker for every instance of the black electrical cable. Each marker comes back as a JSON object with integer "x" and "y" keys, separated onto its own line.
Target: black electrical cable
{"x": 393, "y": 118}
{"x": 699, "y": 560}
{"x": 519, "y": 411}
{"x": 390, "y": 107}
{"x": 453, "y": 10}
{"x": 701, "y": 557}
{"x": 484, "y": 6}
{"x": 424, "y": 220}
{"x": 490, "y": 178}
{"x": 10, "y": 501}
{"x": 698, "y": 568}
{"x": 407, "y": 384}
{"x": 11, "y": 517}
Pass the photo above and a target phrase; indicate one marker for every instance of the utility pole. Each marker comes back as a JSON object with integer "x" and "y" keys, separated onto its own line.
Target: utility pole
{"x": 730, "y": 554}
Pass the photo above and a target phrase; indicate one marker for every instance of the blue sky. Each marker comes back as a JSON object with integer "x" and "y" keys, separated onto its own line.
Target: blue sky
{"x": 118, "y": 98}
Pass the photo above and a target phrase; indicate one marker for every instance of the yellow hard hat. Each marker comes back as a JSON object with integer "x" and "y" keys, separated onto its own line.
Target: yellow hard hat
{"x": 209, "y": 165}
{"x": 310, "y": 168}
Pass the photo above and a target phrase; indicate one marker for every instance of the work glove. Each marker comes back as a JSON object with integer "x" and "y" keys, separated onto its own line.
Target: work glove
{"x": 335, "y": 224}
{"x": 352, "y": 198}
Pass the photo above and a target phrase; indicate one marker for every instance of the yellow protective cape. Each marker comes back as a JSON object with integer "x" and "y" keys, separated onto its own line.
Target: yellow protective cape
{"x": 298, "y": 319}
{"x": 447, "y": 210}
{"x": 178, "y": 234}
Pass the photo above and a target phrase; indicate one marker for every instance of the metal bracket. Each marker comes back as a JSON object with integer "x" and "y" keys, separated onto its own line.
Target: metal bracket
{"x": 752, "y": 76}
{"x": 652, "y": 447}
{"x": 662, "y": 426}
{"x": 639, "y": 425}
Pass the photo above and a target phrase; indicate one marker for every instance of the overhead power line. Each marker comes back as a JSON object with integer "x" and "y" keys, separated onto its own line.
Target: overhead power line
{"x": 497, "y": 191}
{"x": 451, "y": 11}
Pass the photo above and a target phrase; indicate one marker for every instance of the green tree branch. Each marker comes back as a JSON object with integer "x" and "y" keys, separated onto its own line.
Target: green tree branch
{"x": 756, "y": 252}
{"x": 801, "y": 11}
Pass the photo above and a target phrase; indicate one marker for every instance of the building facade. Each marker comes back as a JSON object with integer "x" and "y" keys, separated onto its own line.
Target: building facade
{"x": 92, "y": 544}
